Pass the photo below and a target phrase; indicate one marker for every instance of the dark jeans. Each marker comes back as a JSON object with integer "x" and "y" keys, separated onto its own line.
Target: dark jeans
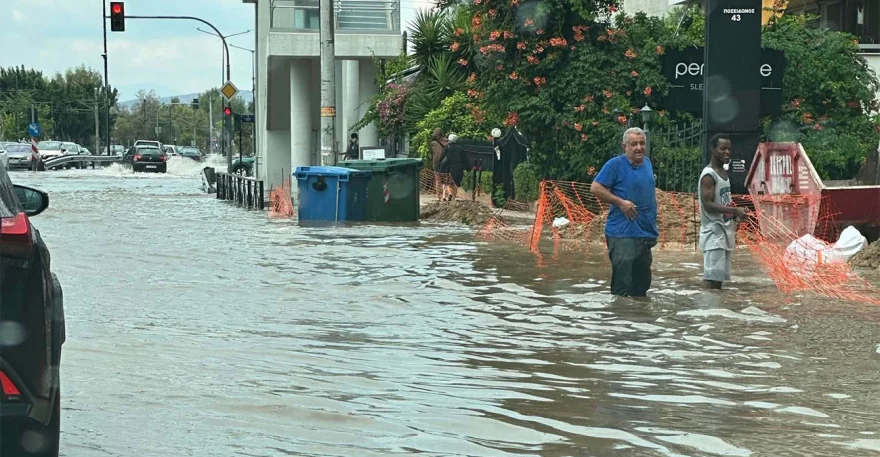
{"x": 630, "y": 265}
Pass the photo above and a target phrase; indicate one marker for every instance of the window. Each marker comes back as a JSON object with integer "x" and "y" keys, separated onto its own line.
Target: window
{"x": 832, "y": 16}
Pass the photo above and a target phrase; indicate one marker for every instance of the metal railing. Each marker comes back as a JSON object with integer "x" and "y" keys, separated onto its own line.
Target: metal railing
{"x": 81, "y": 160}
{"x": 244, "y": 191}
{"x": 350, "y": 16}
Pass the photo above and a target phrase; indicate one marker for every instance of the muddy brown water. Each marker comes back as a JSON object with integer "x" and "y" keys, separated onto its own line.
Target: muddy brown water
{"x": 195, "y": 328}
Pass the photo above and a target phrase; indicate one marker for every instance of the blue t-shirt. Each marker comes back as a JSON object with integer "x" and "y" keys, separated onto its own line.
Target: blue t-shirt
{"x": 636, "y": 185}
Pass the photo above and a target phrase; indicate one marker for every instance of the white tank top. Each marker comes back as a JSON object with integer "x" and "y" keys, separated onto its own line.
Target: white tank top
{"x": 717, "y": 230}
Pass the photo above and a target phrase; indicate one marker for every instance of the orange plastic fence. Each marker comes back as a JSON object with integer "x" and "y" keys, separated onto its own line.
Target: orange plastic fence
{"x": 575, "y": 219}
{"x": 791, "y": 236}
{"x": 570, "y": 216}
{"x": 281, "y": 206}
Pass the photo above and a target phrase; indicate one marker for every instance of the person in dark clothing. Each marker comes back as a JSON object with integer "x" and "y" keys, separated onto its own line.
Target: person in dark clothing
{"x": 626, "y": 182}
{"x": 353, "y": 151}
{"x": 438, "y": 153}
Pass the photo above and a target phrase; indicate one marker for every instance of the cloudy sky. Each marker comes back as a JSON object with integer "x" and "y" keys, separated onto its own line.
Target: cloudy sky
{"x": 170, "y": 57}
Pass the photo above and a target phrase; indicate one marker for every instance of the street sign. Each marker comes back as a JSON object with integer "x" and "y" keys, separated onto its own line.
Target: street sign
{"x": 34, "y": 129}
{"x": 229, "y": 90}
{"x": 248, "y": 118}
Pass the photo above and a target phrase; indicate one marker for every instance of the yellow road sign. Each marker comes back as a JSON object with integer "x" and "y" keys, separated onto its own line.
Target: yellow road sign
{"x": 229, "y": 90}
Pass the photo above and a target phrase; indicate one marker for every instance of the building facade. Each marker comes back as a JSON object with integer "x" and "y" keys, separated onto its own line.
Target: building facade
{"x": 288, "y": 98}
{"x": 861, "y": 18}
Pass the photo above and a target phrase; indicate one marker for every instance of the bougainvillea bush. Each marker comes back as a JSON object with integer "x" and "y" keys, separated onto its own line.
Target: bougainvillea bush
{"x": 565, "y": 74}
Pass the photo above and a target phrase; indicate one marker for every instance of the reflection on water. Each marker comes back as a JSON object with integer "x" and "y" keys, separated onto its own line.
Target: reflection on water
{"x": 225, "y": 333}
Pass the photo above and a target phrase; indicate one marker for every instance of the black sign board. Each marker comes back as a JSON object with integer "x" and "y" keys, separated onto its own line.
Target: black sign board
{"x": 248, "y": 118}
{"x": 742, "y": 153}
{"x": 684, "y": 71}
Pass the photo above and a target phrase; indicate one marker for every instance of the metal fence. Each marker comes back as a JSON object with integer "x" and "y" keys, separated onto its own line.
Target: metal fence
{"x": 675, "y": 154}
{"x": 244, "y": 191}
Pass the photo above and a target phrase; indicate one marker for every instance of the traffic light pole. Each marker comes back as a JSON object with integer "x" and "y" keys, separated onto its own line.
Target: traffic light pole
{"x": 225, "y": 47}
{"x": 106, "y": 80}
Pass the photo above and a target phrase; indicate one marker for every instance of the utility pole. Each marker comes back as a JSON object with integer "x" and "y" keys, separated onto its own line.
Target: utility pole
{"x": 210, "y": 125}
{"x": 193, "y": 142}
{"x": 328, "y": 84}
{"x": 97, "y": 128}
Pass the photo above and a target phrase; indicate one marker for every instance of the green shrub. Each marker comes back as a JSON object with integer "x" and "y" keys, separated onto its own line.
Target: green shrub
{"x": 486, "y": 181}
{"x": 467, "y": 181}
{"x": 499, "y": 198}
{"x": 526, "y": 182}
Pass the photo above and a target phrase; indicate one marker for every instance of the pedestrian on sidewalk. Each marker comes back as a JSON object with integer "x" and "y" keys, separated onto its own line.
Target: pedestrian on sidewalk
{"x": 353, "y": 151}
{"x": 627, "y": 183}
{"x": 718, "y": 216}
{"x": 439, "y": 162}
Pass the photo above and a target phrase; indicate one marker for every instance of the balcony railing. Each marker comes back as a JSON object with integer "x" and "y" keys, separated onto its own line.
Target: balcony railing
{"x": 350, "y": 16}
{"x": 870, "y": 48}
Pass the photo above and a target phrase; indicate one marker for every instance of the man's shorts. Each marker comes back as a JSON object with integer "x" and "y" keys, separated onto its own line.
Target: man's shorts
{"x": 716, "y": 265}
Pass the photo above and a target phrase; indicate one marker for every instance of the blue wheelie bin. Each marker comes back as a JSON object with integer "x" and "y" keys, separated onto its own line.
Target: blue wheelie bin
{"x": 332, "y": 194}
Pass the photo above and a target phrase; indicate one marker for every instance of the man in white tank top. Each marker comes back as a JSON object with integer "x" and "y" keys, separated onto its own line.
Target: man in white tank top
{"x": 717, "y": 215}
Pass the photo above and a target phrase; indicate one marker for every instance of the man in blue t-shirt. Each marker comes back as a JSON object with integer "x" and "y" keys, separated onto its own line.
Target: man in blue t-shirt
{"x": 626, "y": 182}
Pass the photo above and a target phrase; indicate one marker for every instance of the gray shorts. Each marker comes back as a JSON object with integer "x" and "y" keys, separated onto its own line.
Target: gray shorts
{"x": 716, "y": 265}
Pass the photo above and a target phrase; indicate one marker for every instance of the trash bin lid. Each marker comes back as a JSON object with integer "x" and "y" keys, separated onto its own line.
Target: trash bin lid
{"x": 302, "y": 172}
{"x": 382, "y": 164}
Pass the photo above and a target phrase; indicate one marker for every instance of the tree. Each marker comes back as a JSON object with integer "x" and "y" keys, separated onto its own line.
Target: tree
{"x": 65, "y": 103}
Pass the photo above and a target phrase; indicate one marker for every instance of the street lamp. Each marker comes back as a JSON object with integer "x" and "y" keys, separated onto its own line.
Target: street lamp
{"x": 647, "y": 119}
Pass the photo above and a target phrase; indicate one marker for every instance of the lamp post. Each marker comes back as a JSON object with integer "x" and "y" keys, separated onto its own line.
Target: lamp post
{"x": 647, "y": 119}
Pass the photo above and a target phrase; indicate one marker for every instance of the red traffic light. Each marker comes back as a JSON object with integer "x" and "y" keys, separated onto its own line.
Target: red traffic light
{"x": 117, "y": 17}
{"x": 227, "y": 111}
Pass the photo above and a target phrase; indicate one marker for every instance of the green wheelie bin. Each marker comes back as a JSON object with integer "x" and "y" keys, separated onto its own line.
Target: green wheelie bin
{"x": 393, "y": 192}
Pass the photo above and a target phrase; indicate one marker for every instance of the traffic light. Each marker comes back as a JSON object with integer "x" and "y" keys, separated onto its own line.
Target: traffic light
{"x": 117, "y": 16}
{"x": 227, "y": 111}
{"x": 195, "y": 103}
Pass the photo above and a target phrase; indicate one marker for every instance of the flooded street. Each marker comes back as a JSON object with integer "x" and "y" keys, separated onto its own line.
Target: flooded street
{"x": 196, "y": 328}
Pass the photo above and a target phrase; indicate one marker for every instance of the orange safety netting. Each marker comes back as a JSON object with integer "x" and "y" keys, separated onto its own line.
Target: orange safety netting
{"x": 792, "y": 236}
{"x": 280, "y": 203}
{"x": 575, "y": 219}
{"x": 570, "y": 216}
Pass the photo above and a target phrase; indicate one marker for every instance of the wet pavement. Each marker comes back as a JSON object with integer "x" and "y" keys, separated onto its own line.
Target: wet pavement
{"x": 196, "y": 328}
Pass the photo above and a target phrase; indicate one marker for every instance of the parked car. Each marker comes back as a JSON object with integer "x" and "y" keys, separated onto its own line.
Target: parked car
{"x": 146, "y": 158}
{"x": 50, "y": 149}
{"x": 4, "y": 158}
{"x": 154, "y": 143}
{"x": 21, "y": 156}
{"x": 32, "y": 306}
{"x": 244, "y": 167}
{"x": 191, "y": 152}
{"x": 116, "y": 149}
{"x": 72, "y": 149}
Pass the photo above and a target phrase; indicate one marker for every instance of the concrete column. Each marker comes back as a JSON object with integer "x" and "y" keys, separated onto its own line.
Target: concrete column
{"x": 351, "y": 99}
{"x": 260, "y": 100}
{"x": 300, "y": 115}
{"x": 367, "y": 88}
{"x": 341, "y": 136}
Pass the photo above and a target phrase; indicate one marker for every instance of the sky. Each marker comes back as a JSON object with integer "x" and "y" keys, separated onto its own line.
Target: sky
{"x": 169, "y": 56}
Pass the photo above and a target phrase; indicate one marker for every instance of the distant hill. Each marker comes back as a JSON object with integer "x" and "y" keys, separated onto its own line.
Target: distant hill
{"x": 246, "y": 95}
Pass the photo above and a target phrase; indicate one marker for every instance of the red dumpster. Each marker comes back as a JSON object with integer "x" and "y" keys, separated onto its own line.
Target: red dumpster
{"x": 783, "y": 183}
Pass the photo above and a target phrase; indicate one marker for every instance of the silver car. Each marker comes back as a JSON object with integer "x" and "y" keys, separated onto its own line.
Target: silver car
{"x": 20, "y": 156}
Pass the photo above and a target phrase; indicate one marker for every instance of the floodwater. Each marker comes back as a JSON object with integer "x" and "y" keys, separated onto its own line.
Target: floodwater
{"x": 197, "y": 328}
